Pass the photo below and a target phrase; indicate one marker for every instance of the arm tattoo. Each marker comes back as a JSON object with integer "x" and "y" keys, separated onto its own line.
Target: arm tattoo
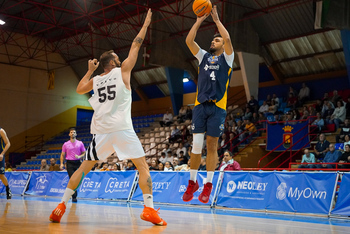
{"x": 138, "y": 40}
{"x": 149, "y": 184}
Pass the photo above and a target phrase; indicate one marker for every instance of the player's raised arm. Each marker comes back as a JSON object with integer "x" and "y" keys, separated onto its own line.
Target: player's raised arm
{"x": 223, "y": 32}
{"x": 86, "y": 84}
{"x": 130, "y": 61}
{"x": 192, "y": 45}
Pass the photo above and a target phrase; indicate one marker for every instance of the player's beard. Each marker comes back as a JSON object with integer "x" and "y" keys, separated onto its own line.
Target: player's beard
{"x": 212, "y": 50}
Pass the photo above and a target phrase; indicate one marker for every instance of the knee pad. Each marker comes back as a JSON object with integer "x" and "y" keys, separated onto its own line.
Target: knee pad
{"x": 198, "y": 140}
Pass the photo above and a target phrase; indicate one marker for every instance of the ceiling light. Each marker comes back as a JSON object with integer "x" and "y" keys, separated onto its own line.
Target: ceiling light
{"x": 2, "y": 22}
{"x": 185, "y": 80}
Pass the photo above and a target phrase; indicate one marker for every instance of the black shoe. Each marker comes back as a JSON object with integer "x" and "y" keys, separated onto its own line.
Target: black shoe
{"x": 74, "y": 200}
{"x": 8, "y": 194}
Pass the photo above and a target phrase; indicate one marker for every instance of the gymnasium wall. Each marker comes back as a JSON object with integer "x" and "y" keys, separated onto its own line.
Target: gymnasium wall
{"x": 28, "y": 108}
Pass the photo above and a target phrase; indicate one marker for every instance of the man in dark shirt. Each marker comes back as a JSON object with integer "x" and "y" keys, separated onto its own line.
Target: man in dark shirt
{"x": 53, "y": 165}
{"x": 321, "y": 148}
{"x": 253, "y": 104}
{"x": 345, "y": 130}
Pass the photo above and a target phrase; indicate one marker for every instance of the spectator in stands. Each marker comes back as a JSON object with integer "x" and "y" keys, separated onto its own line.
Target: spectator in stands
{"x": 130, "y": 166}
{"x": 344, "y": 130}
{"x": 240, "y": 129}
{"x": 204, "y": 152}
{"x": 229, "y": 120}
{"x": 184, "y": 167}
{"x": 188, "y": 113}
{"x": 305, "y": 115}
{"x": 170, "y": 156}
{"x": 326, "y": 105}
{"x": 312, "y": 111}
{"x": 167, "y": 119}
{"x": 44, "y": 166}
{"x": 253, "y": 104}
{"x": 307, "y": 158}
{"x": 168, "y": 166}
{"x": 53, "y": 165}
{"x": 154, "y": 166}
{"x": 325, "y": 96}
{"x": 264, "y": 108}
{"x": 321, "y": 147}
{"x": 182, "y": 158}
{"x": 332, "y": 156}
{"x": 223, "y": 144}
{"x": 250, "y": 128}
{"x": 291, "y": 101}
{"x": 167, "y": 148}
{"x": 175, "y": 162}
{"x": 161, "y": 166}
{"x": 318, "y": 105}
{"x": 228, "y": 163}
{"x": 233, "y": 142}
{"x": 268, "y": 100}
{"x": 255, "y": 118}
{"x": 295, "y": 114}
{"x": 346, "y": 141}
{"x": 188, "y": 151}
{"x": 175, "y": 134}
{"x": 182, "y": 114}
{"x": 335, "y": 97}
{"x": 292, "y": 91}
{"x": 8, "y": 167}
{"x": 248, "y": 114}
{"x": 329, "y": 112}
{"x": 276, "y": 99}
{"x": 345, "y": 158}
{"x": 104, "y": 166}
{"x": 318, "y": 122}
{"x": 203, "y": 165}
{"x": 124, "y": 164}
{"x": 347, "y": 107}
{"x": 273, "y": 107}
{"x": 181, "y": 148}
{"x": 338, "y": 115}
{"x": 304, "y": 94}
{"x": 148, "y": 160}
{"x": 116, "y": 167}
{"x": 163, "y": 158}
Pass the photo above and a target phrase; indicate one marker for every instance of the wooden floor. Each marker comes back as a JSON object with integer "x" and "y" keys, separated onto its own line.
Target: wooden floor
{"x": 31, "y": 215}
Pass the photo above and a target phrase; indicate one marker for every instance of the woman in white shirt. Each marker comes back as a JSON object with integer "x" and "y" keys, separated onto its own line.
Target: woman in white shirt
{"x": 338, "y": 115}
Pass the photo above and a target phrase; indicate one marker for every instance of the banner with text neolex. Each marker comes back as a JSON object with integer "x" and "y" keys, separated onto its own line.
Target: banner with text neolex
{"x": 291, "y": 192}
{"x": 342, "y": 207}
{"x": 246, "y": 190}
{"x": 17, "y": 181}
{"x": 168, "y": 187}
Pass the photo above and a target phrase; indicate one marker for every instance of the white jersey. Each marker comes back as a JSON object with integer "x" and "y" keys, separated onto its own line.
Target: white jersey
{"x": 111, "y": 102}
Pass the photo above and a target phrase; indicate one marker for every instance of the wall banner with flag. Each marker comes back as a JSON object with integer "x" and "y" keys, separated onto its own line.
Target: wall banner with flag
{"x": 287, "y": 134}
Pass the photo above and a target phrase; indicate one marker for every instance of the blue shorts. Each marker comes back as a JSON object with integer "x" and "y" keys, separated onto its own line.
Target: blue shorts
{"x": 2, "y": 166}
{"x": 207, "y": 117}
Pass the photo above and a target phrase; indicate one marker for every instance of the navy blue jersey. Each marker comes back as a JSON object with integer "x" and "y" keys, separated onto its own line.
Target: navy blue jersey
{"x": 213, "y": 78}
{"x": 2, "y": 144}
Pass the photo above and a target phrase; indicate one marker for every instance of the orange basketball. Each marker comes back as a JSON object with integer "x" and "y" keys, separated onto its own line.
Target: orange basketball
{"x": 201, "y": 7}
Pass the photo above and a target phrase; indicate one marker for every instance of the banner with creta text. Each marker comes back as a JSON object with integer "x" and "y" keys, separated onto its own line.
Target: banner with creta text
{"x": 283, "y": 135}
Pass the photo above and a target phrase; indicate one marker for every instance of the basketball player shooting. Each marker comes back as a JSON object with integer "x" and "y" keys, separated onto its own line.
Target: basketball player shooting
{"x": 111, "y": 124}
{"x": 209, "y": 113}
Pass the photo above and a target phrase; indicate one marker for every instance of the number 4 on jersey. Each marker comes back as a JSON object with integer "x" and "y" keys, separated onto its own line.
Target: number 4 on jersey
{"x": 212, "y": 75}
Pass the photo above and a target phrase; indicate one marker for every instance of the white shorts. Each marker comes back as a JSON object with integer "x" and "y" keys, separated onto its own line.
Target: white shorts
{"x": 125, "y": 143}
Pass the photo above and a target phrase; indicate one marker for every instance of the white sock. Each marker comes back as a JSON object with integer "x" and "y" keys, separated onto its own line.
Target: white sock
{"x": 148, "y": 200}
{"x": 193, "y": 175}
{"x": 67, "y": 195}
{"x": 210, "y": 175}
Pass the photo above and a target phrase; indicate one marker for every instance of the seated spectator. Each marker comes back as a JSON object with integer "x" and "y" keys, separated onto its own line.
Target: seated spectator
{"x": 174, "y": 135}
{"x": 154, "y": 166}
{"x": 116, "y": 167}
{"x": 44, "y": 166}
{"x": 167, "y": 148}
{"x": 188, "y": 113}
{"x": 312, "y": 111}
{"x": 250, "y": 128}
{"x": 347, "y": 107}
{"x": 335, "y": 97}
{"x": 8, "y": 167}
{"x": 276, "y": 99}
{"x": 182, "y": 158}
{"x": 182, "y": 114}
{"x": 184, "y": 167}
{"x": 255, "y": 118}
{"x": 203, "y": 165}
{"x": 328, "y": 113}
{"x": 345, "y": 130}
{"x": 292, "y": 101}
{"x": 167, "y": 119}
{"x": 268, "y": 100}
{"x": 307, "y": 158}
{"x": 345, "y": 158}
{"x": 248, "y": 114}
{"x": 53, "y": 165}
{"x": 253, "y": 104}
{"x": 223, "y": 144}
{"x": 104, "y": 166}
{"x": 130, "y": 166}
{"x": 304, "y": 94}
{"x": 170, "y": 156}
{"x": 326, "y": 105}
{"x": 175, "y": 162}
{"x": 321, "y": 148}
{"x": 318, "y": 122}
{"x": 338, "y": 115}
{"x": 204, "y": 153}
{"x": 346, "y": 141}
{"x": 318, "y": 105}
{"x": 264, "y": 108}
{"x": 273, "y": 107}
{"x": 181, "y": 148}
{"x": 292, "y": 91}
{"x": 148, "y": 160}
{"x": 305, "y": 115}
{"x": 332, "y": 156}
{"x": 228, "y": 163}
{"x": 325, "y": 96}
{"x": 233, "y": 145}
{"x": 229, "y": 120}
{"x": 124, "y": 164}
{"x": 168, "y": 166}
{"x": 161, "y": 166}
{"x": 163, "y": 158}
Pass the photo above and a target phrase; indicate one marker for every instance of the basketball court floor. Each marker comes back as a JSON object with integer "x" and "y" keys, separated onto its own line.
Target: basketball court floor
{"x": 31, "y": 215}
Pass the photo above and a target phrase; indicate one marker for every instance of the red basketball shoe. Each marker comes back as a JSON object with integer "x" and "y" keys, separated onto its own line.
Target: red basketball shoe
{"x": 191, "y": 189}
{"x": 204, "y": 196}
{"x": 57, "y": 213}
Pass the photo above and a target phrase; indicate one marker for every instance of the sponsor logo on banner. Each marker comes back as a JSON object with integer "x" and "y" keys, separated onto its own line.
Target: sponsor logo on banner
{"x": 231, "y": 186}
{"x": 297, "y": 193}
{"x": 160, "y": 186}
{"x": 183, "y": 188}
{"x": 41, "y": 182}
{"x": 245, "y": 185}
{"x": 17, "y": 183}
{"x": 65, "y": 181}
{"x": 113, "y": 185}
{"x": 89, "y": 185}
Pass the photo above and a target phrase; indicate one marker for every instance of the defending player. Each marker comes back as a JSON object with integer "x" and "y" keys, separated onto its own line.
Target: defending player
{"x": 209, "y": 112}
{"x": 4, "y": 146}
{"x": 111, "y": 124}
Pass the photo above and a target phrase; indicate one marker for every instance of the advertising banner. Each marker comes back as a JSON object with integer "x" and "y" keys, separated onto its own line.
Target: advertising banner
{"x": 283, "y": 132}
{"x": 342, "y": 207}
{"x": 58, "y": 184}
{"x": 39, "y": 183}
{"x": 246, "y": 190}
{"x": 168, "y": 187}
{"x": 17, "y": 181}
{"x": 90, "y": 185}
